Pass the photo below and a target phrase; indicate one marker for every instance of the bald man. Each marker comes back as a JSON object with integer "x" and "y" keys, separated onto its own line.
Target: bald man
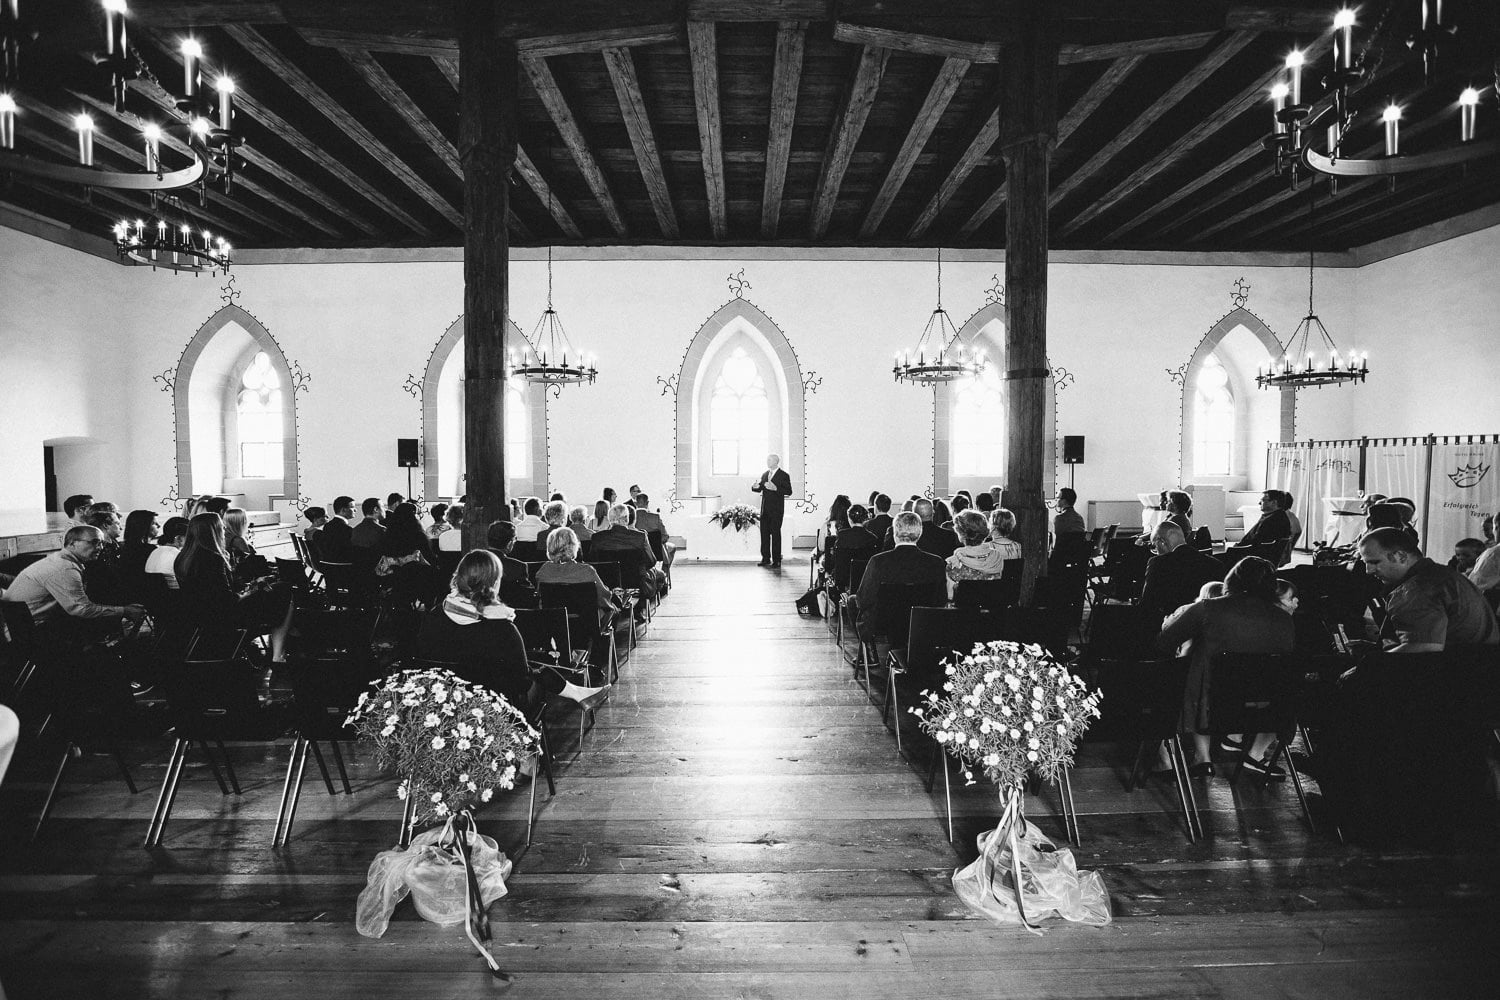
{"x": 1176, "y": 572}
{"x": 774, "y": 486}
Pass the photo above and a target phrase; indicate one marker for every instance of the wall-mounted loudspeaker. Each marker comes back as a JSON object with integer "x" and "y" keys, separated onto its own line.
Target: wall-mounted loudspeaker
{"x": 1073, "y": 449}
{"x": 406, "y": 453}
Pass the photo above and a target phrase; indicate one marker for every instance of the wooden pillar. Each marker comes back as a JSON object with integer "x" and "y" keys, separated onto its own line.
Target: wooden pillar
{"x": 487, "y": 69}
{"x": 1028, "y": 132}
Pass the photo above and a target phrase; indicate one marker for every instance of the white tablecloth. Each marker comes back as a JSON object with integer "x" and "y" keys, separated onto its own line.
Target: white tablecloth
{"x": 1346, "y": 519}
{"x": 706, "y": 540}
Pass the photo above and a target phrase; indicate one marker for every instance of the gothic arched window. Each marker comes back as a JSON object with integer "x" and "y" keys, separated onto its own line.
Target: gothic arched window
{"x": 1213, "y": 420}
{"x": 978, "y": 426}
{"x": 739, "y": 417}
{"x": 258, "y": 410}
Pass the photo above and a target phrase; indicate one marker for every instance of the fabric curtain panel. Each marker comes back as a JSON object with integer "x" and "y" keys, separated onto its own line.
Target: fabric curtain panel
{"x": 1397, "y": 467}
{"x": 1333, "y": 471}
{"x": 1289, "y": 468}
{"x": 1465, "y": 490}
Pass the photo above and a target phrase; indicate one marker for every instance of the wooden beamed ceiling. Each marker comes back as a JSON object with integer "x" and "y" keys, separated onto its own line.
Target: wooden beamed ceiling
{"x": 791, "y": 122}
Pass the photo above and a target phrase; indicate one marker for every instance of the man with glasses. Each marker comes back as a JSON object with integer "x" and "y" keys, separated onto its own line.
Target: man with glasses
{"x": 53, "y": 587}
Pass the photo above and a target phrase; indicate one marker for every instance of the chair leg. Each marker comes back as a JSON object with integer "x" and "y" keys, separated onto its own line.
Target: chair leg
{"x": 1133, "y": 780}
{"x": 322, "y": 766}
{"x": 1180, "y": 760}
{"x": 234, "y": 782}
{"x": 1070, "y": 811}
{"x": 1286, "y": 755}
{"x": 286, "y": 793}
{"x": 947, "y": 796}
{"x": 1307, "y": 739}
{"x": 1182, "y": 797}
{"x": 214, "y": 766}
{"x": 291, "y": 811}
{"x": 531, "y": 807}
{"x": 168, "y": 795}
{"x": 408, "y": 817}
{"x": 24, "y": 677}
{"x": 338, "y": 758}
{"x": 62, "y": 766}
{"x": 124, "y": 770}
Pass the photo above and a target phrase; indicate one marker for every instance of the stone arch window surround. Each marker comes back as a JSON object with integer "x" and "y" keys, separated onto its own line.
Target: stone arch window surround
{"x": 433, "y": 413}
{"x": 216, "y": 354}
{"x": 985, "y": 329}
{"x": 739, "y": 323}
{"x": 1242, "y": 340}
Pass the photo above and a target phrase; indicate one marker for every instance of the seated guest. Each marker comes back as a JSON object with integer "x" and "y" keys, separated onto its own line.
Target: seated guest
{"x": 880, "y": 522}
{"x": 531, "y": 524}
{"x": 102, "y": 574}
{"x": 564, "y": 500}
{"x": 159, "y": 563}
{"x": 1002, "y": 526}
{"x": 141, "y": 532}
{"x": 473, "y": 630}
{"x": 630, "y": 547}
{"x": 334, "y": 543}
{"x": 452, "y": 538}
{"x": 578, "y": 524}
{"x": 1274, "y": 524}
{"x": 439, "y": 514}
{"x": 393, "y": 501}
{"x": 1180, "y": 510}
{"x": 562, "y": 567}
{"x": 52, "y": 589}
{"x": 1210, "y": 590}
{"x": 515, "y": 584}
{"x": 904, "y": 563}
{"x": 857, "y": 537}
{"x": 244, "y": 561}
{"x": 1177, "y": 572}
{"x": 211, "y": 600}
{"x": 1245, "y": 620}
{"x": 1466, "y": 553}
{"x": 214, "y": 505}
{"x": 984, "y": 503}
{"x": 554, "y": 516}
{"x": 366, "y": 534}
{"x": 406, "y": 556}
{"x": 1485, "y": 573}
{"x": 934, "y": 539}
{"x": 836, "y": 521}
{"x": 1286, "y": 596}
{"x": 648, "y": 520}
{"x": 1286, "y": 504}
{"x": 77, "y": 508}
{"x": 1429, "y": 608}
{"x": 942, "y": 516}
{"x": 600, "y": 520}
{"x": 317, "y": 519}
{"x": 608, "y": 495}
{"x": 976, "y": 558}
{"x": 1066, "y": 521}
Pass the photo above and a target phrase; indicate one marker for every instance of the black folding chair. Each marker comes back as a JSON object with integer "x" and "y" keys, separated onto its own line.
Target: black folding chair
{"x": 581, "y": 602}
{"x": 1257, "y": 693}
{"x": 21, "y": 629}
{"x": 993, "y": 595}
{"x": 545, "y": 633}
{"x": 324, "y": 691}
{"x": 933, "y": 635}
{"x": 1141, "y": 704}
{"x": 1122, "y": 632}
{"x": 889, "y": 624}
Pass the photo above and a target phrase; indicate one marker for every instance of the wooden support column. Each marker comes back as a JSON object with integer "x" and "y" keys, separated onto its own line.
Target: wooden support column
{"x": 488, "y": 78}
{"x": 1028, "y": 133}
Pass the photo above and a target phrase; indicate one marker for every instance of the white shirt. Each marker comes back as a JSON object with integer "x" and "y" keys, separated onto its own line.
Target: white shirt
{"x": 450, "y": 541}
{"x": 1486, "y": 572}
{"x": 528, "y": 527}
{"x": 160, "y": 562}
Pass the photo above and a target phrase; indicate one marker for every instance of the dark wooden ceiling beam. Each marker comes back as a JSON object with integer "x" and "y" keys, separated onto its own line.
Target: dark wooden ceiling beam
{"x": 1200, "y": 132}
{"x": 916, "y": 44}
{"x": 1104, "y": 51}
{"x": 263, "y": 163}
{"x": 449, "y": 69}
{"x": 854, "y": 111}
{"x": 632, "y": 102}
{"x": 324, "y": 103}
{"x": 541, "y": 47}
{"x": 240, "y": 181}
{"x": 552, "y": 98}
{"x": 944, "y": 86}
{"x": 1284, "y": 17}
{"x": 1109, "y": 81}
{"x": 978, "y": 147}
{"x": 703, "y": 51}
{"x": 786, "y": 80}
{"x": 1185, "y": 85}
{"x": 388, "y": 90}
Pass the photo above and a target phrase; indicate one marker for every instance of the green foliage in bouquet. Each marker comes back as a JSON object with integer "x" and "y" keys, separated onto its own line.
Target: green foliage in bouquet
{"x": 740, "y": 516}
{"x": 1010, "y": 709}
{"x": 452, "y": 743}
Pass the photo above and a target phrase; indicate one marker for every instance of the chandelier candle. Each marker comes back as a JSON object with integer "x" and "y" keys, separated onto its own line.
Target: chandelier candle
{"x": 114, "y": 27}
{"x": 85, "y": 126}
{"x": 225, "y": 87}
{"x": 1343, "y": 39}
{"x": 1294, "y": 62}
{"x": 7, "y": 121}
{"x": 191, "y": 53}
{"x": 1392, "y": 119}
{"x": 152, "y": 135}
{"x": 1468, "y": 107}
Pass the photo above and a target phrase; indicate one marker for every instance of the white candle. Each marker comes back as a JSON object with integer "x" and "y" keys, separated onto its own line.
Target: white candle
{"x": 85, "y": 126}
{"x": 1278, "y": 103}
{"x": 1294, "y": 62}
{"x": 152, "y": 135}
{"x": 114, "y": 27}
{"x": 1392, "y": 119}
{"x": 191, "y": 53}
{"x": 7, "y": 121}
{"x": 1343, "y": 39}
{"x": 226, "y": 102}
{"x": 1468, "y": 107}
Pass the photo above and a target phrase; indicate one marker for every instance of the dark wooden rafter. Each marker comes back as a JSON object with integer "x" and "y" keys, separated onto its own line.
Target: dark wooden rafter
{"x": 703, "y": 51}
{"x": 786, "y": 80}
{"x": 1109, "y": 81}
{"x": 621, "y": 67}
{"x": 1189, "y": 82}
{"x": 292, "y": 136}
{"x": 552, "y": 98}
{"x": 949, "y": 76}
{"x": 1189, "y": 140}
{"x": 240, "y": 181}
{"x": 853, "y": 111}
{"x": 449, "y": 69}
{"x": 264, "y": 164}
{"x": 384, "y": 85}
{"x": 978, "y": 147}
{"x": 289, "y": 73}
{"x": 990, "y": 52}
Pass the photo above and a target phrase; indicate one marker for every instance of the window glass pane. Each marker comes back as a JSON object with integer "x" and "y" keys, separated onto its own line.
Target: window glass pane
{"x": 1213, "y": 419}
{"x": 726, "y": 458}
{"x": 517, "y": 434}
{"x": 258, "y": 412}
{"x": 739, "y": 417}
{"x": 978, "y": 427}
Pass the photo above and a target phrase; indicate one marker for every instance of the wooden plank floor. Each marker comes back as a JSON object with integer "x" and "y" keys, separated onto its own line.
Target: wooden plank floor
{"x": 738, "y": 824}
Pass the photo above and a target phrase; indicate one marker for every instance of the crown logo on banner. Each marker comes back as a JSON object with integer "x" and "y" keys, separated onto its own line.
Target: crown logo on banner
{"x": 1468, "y": 476}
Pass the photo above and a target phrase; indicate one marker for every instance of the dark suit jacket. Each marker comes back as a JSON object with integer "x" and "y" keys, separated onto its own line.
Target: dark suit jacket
{"x": 941, "y": 542}
{"x": 366, "y": 534}
{"x": 333, "y": 541}
{"x": 903, "y": 564}
{"x": 773, "y": 488}
{"x": 1174, "y": 579}
{"x": 515, "y": 588}
{"x": 627, "y": 546}
{"x": 856, "y": 538}
{"x": 879, "y": 525}
{"x": 1272, "y": 527}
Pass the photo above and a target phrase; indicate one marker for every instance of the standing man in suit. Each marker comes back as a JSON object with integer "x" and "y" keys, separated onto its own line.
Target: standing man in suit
{"x": 774, "y": 486}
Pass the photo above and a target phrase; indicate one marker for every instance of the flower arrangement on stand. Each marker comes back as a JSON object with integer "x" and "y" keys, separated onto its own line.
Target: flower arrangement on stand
{"x": 454, "y": 744}
{"x": 1014, "y": 712}
{"x": 740, "y": 516}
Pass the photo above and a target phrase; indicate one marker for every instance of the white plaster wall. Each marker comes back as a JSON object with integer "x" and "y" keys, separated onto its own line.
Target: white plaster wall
{"x": 360, "y": 329}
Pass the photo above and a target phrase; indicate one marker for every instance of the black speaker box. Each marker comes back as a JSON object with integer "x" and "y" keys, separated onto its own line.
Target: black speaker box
{"x": 1073, "y": 449}
{"x": 406, "y": 453}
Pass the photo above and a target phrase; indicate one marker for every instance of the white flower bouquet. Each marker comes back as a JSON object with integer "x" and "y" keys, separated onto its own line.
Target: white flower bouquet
{"x": 739, "y": 516}
{"x": 453, "y": 743}
{"x": 1014, "y": 711}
